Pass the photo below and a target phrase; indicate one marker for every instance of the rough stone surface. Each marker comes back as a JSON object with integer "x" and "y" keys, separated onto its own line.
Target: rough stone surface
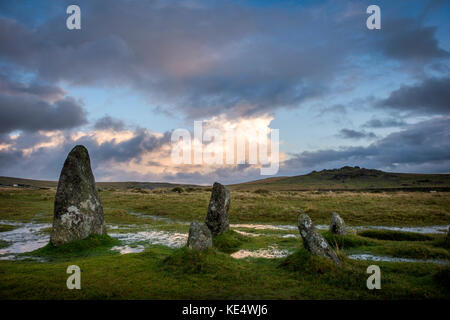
{"x": 200, "y": 237}
{"x": 78, "y": 210}
{"x": 313, "y": 240}
{"x": 217, "y": 216}
{"x": 337, "y": 225}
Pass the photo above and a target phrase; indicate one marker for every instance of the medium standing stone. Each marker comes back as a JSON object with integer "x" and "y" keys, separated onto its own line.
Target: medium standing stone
{"x": 217, "y": 216}
{"x": 78, "y": 210}
{"x": 313, "y": 240}
{"x": 200, "y": 237}
{"x": 337, "y": 225}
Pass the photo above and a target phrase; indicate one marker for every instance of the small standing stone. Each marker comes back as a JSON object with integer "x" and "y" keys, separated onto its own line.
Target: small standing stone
{"x": 200, "y": 237}
{"x": 78, "y": 211}
{"x": 337, "y": 225}
{"x": 217, "y": 216}
{"x": 314, "y": 242}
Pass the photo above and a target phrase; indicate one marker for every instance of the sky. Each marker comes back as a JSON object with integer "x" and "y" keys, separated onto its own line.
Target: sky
{"x": 339, "y": 93}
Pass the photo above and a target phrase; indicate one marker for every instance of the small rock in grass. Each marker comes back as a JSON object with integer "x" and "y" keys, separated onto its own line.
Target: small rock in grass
{"x": 200, "y": 237}
{"x": 337, "y": 225}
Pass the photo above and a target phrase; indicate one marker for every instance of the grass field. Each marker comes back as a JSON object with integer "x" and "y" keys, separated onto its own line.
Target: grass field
{"x": 161, "y": 272}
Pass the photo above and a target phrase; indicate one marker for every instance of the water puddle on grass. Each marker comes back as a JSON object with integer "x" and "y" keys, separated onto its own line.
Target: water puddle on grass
{"x": 263, "y": 226}
{"x": 270, "y": 253}
{"x": 157, "y": 218}
{"x": 25, "y": 238}
{"x": 165, "y": 238}
{"x": 128, "y": 249}
{"x": 370, "y": 257}
{"x": 248, "y": 234}
{"x": 427, "y": 229}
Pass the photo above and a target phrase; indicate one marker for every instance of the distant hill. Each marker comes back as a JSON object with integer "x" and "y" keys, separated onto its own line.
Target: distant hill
{"x": 351, "y": 178}
{"x": 345, "y": 178}
{"x": 39, "y": 184}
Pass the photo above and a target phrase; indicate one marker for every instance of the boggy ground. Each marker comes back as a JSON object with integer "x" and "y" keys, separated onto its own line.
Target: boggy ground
{"x": 172, "y": 272}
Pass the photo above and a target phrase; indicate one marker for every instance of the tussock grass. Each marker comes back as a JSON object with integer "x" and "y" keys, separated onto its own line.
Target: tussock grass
{"x": 186, "y": 261}
{"x": 229, "y": 241}
{"x": 346, "y": 241}
{"x": 415, "y": 251}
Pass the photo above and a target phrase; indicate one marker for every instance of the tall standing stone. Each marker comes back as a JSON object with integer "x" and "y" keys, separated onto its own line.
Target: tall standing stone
{"x": 337, "y": 225}
{"x": 217, "y": 215}
{"x": 78, "y": 210}
{"x": 313, "y": 241}
{"x": 200, "y": 237}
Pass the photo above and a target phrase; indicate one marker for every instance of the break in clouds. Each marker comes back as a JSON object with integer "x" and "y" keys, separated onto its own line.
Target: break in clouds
{"x": 225, "y": 62}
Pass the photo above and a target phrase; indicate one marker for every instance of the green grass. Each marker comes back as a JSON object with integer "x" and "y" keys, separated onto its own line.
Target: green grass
{"x": 395, "y": 209}
{"x": 229, "y": 241}
{"x": 346, "y": 241}
{"x": 4, "y": 244}
{"x": 161, "y": 273}
{"x": 6, "y": 227}
{"x": 91, "y": 246}
{"x": 395, "y": 235}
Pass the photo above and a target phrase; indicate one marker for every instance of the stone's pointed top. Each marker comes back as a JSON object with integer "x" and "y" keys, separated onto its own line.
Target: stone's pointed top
{"x": 337, "y": 225}
{"x": 78, "y": 210}
{"x": 305, "y": 222}
{"x": 313, "y": 240}
{"x": 79, "y": 149}
{"x": 219, "y": 204}
{"x": 200, "y": 237}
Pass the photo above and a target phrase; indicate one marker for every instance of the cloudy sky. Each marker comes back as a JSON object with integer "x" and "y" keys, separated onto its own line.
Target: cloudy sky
{"x": 339, "y": 94}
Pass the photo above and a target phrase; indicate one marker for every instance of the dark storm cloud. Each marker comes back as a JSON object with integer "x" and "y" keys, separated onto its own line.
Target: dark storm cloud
{"x": 200, "y": 59}
{"x": 384, "y": 123}
{"x": 204, "y": 58}
{"x": 406, "y": 39}
{"x": 23, "y": 112}
{"x": 422, "y": 145}
{"x": 131, "y": 149}
{"x": 42, "y": 91}
{"x": 432, "y": 96}
{"x": 108, "y": 122}
{"x": 353, "y": 134}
